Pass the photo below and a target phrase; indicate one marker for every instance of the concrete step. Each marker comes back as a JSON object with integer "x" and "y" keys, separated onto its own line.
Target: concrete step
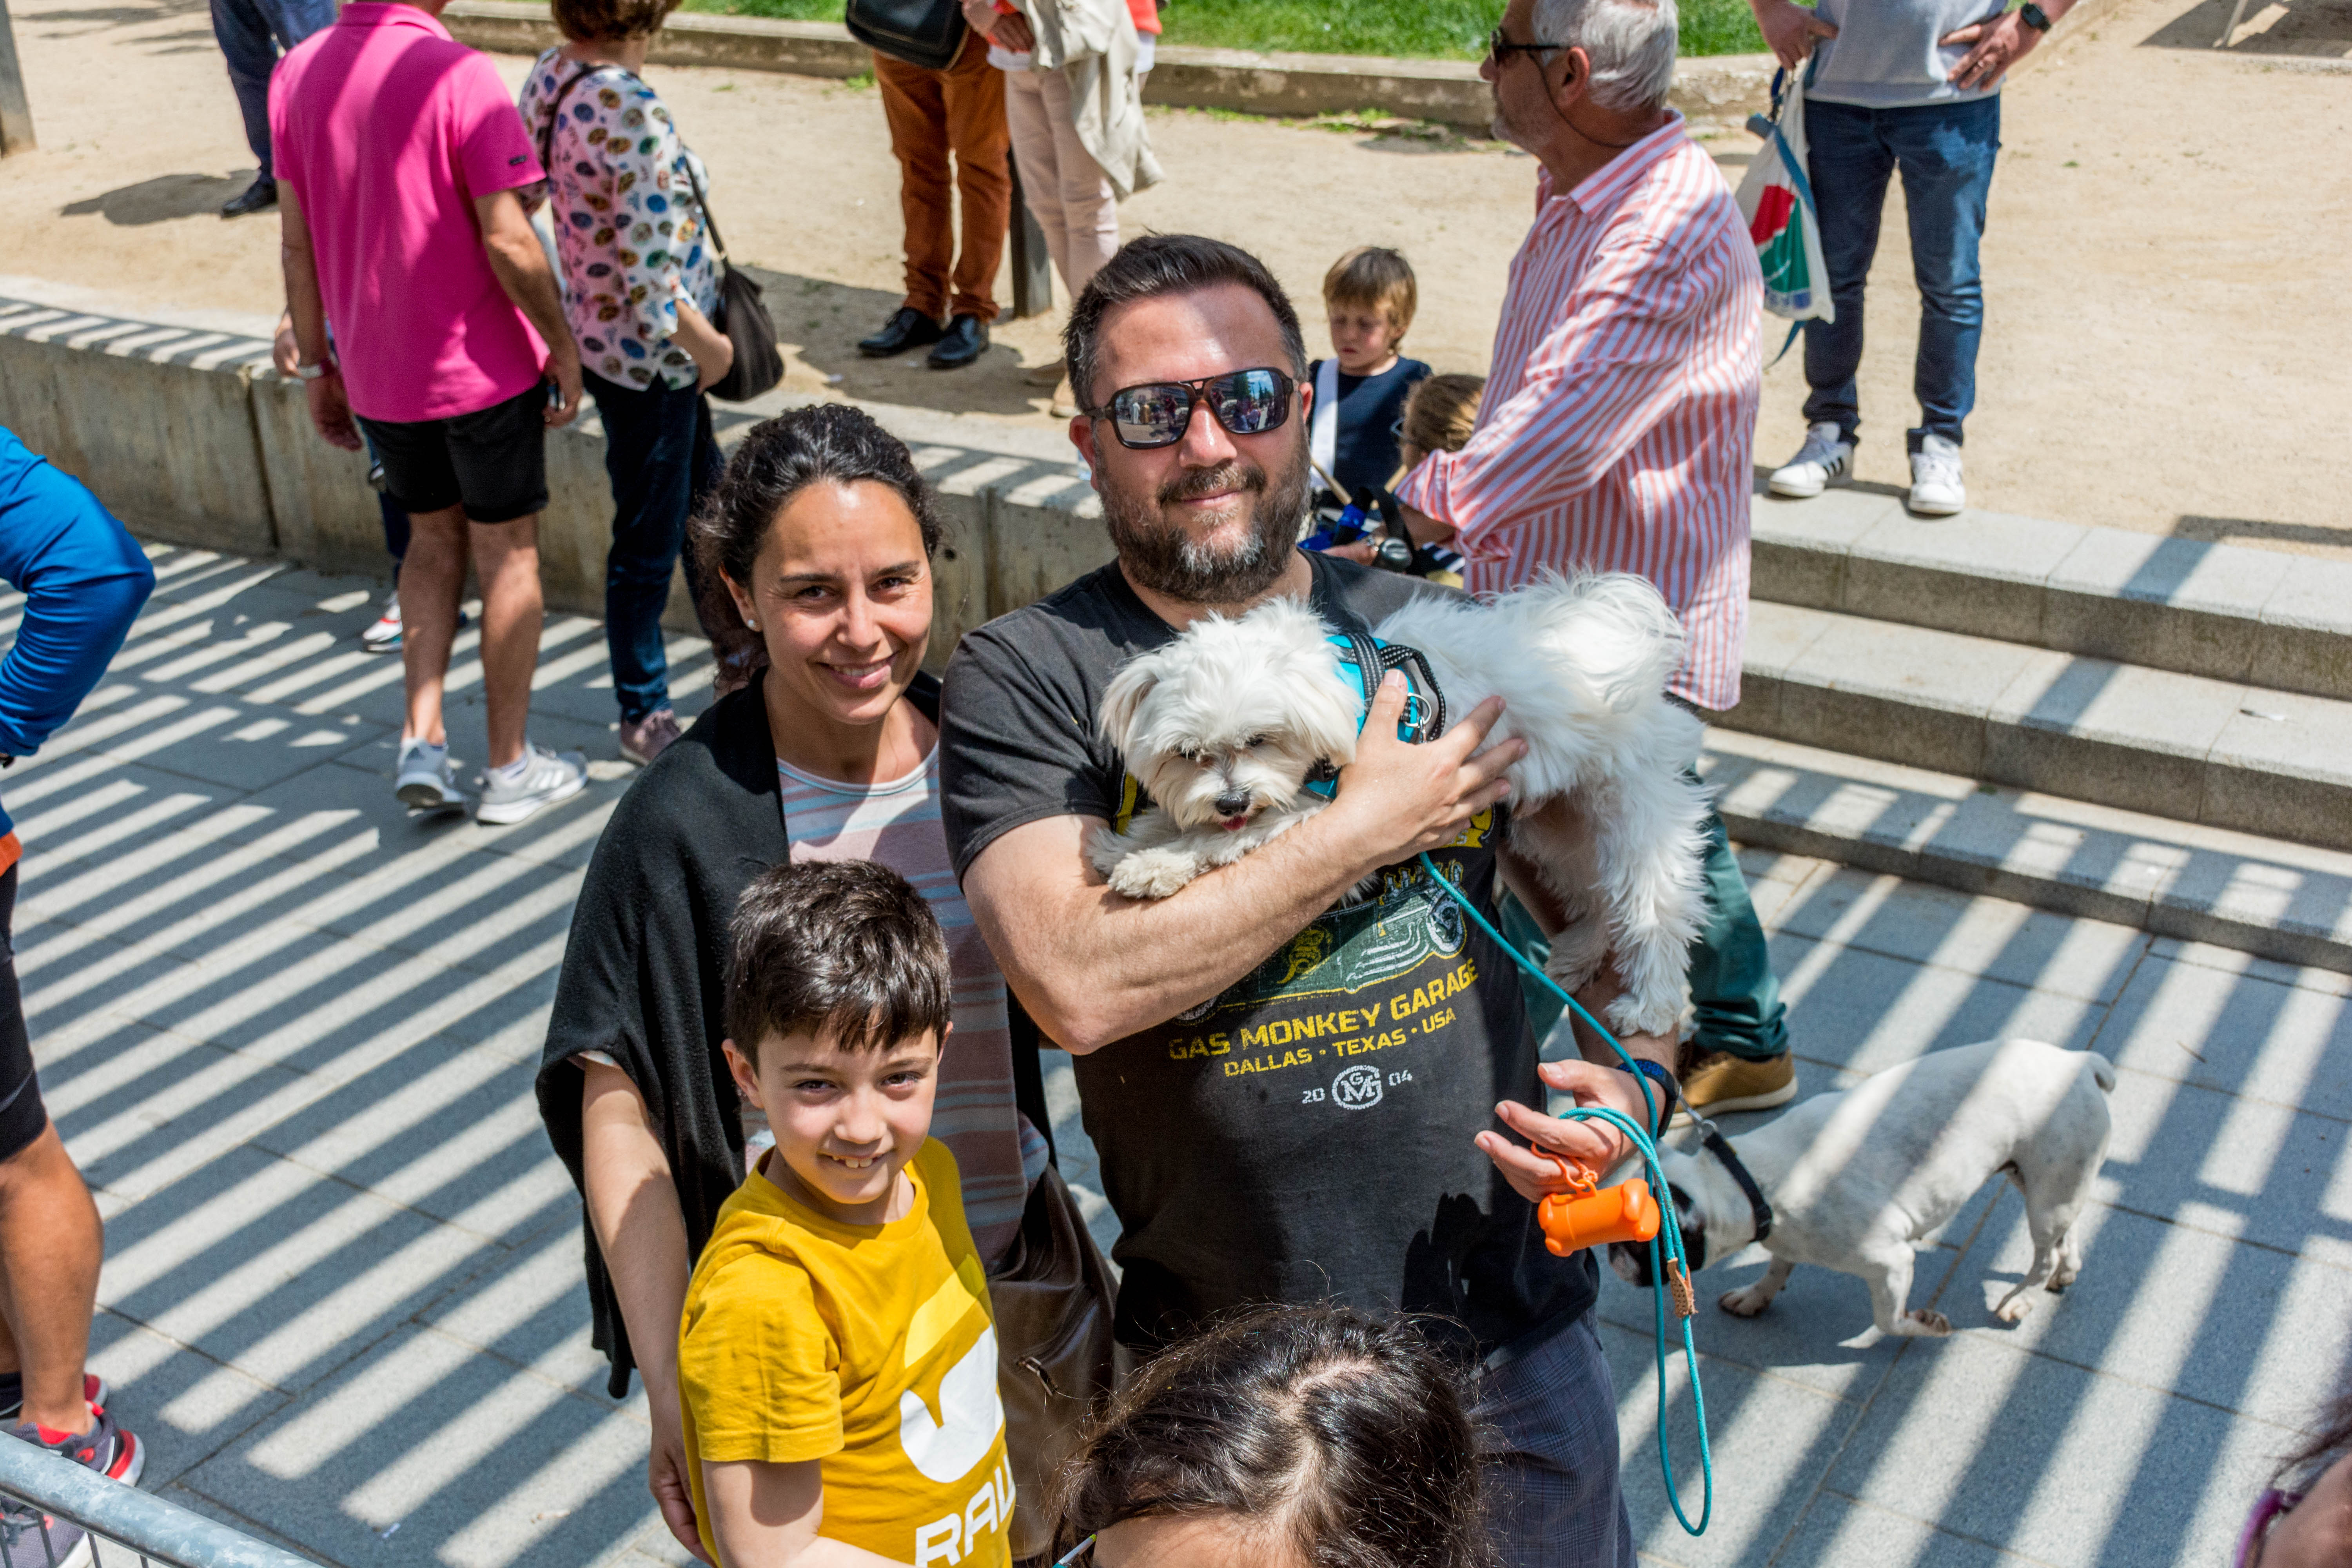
{"x": 2257, "y": 895}
{"x": 2222, "y": 611}
{"x": 2214, "y": 752}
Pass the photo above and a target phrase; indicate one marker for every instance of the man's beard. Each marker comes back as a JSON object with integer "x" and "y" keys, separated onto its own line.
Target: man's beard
{"x": 1160, "y": 556}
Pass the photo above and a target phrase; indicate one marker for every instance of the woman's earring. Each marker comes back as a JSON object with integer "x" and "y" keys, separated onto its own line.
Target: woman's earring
{"x": 751, "y": 623}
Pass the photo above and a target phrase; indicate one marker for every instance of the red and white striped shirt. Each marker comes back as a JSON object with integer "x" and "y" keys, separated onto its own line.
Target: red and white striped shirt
{"x": 1617, "y": 427}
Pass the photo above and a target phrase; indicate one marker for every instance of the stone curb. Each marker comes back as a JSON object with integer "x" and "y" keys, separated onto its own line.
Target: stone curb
{"x": 1720, "y": 88}
{"x": 191, "y": 437}
{"x": 2183, "y": 747}
{"x": 2259, "y": 895}
{"x": 2222, "y": 611}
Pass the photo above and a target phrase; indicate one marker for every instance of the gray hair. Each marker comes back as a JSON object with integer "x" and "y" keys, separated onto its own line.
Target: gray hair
{"x": 1631, "y": 44}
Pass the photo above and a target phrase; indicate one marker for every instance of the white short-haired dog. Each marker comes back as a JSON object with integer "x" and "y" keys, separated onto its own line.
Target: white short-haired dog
{"x": 1225, "y": 725}
{"x": 1852, "y": 1180}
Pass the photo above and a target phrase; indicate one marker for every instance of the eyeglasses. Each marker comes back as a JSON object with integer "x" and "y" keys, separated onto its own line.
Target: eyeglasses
{"x": 1500, "y": 48}
{"x": 1157, "y": 414}
{"x": 1076, "y": 1555}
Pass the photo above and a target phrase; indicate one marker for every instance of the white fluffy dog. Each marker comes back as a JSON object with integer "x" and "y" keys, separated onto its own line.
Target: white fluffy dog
{"x": 1225, "y": 726}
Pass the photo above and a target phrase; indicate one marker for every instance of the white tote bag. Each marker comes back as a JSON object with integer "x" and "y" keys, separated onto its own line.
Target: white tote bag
{"x": 1776, "y": 199}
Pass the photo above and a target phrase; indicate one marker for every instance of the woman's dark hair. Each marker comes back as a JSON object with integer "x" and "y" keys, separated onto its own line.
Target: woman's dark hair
{"x": 845, "y": 948}
{"x": 2331, "y": 1440}
{"x": 1160, "y": 264}
{"x": 611, "y": 21}
{"x": 1345, "y": 1432}
{"x": 778, "y": 460}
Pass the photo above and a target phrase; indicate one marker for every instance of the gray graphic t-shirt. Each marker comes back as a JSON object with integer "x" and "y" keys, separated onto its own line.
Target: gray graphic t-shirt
{"x": 1305, "y": 1136}
{"x": 1886, "y": 55}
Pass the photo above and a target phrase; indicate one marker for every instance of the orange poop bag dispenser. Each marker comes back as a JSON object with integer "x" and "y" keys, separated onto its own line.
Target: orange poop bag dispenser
{"x": 1586, "y": 1217}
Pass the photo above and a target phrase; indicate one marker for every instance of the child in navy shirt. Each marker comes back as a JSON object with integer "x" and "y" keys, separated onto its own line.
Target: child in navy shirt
{"x": 1360, "y": 391}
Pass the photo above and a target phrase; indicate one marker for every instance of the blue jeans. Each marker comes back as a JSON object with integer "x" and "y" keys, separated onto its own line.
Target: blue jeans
{"x": 253, "y": 33}
{"x": 663, "y": 459}
{"x": 1548, "y": 1442}
{"x": 1945, "y": 152}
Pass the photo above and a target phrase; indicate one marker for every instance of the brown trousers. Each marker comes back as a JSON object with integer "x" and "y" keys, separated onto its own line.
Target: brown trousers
{"x": 932, "y": 113}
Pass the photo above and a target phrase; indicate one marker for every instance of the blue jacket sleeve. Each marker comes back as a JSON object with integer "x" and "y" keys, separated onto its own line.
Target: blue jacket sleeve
{"x": 84, "y": 580}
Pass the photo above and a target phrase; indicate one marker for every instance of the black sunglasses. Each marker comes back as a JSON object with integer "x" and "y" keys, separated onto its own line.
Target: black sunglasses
{"x": 1157, "y": 413}
{"x": 1500, "y": 48}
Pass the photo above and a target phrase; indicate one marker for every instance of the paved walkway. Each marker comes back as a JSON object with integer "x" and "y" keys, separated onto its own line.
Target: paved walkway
{"x": 290, "y": 1036}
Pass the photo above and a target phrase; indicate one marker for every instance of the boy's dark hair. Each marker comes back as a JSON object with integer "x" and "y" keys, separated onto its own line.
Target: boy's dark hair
{"x": 841, "y": 948}
{"x": 1375, "y": 277}
{"x": 1345, "y": 1434}
{"x": 611, "y": 21}
{"x": 1160, "y": 264}
{"x": 776, "y": 460}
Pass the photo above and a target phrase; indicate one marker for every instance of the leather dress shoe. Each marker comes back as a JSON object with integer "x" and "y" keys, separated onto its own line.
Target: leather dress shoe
{"x": 910, "y": 329}
{"x": 965, "y": 341}
{"x": 259, "y": 196}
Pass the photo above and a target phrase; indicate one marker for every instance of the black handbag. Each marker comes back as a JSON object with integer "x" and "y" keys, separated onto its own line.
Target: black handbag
{"x": 741, "y": 316}
{"x": 1053, "y": 1296}
{"x": 926, "y": 33}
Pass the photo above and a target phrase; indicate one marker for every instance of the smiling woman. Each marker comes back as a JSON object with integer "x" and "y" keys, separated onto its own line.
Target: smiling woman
{"x": 819, "y": 539}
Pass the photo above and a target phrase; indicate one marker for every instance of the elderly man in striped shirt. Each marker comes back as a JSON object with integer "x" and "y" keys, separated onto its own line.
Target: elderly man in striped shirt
{"x": 1618, "y": 420}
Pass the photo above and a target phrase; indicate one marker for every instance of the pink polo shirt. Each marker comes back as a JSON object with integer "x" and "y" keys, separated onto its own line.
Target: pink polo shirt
{"x": 387, "y": 129}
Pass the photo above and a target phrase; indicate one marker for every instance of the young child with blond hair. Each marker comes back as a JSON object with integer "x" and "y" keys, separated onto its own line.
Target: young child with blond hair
{"x": 1369, "y": 295}
{"x": 838, "y": 1352}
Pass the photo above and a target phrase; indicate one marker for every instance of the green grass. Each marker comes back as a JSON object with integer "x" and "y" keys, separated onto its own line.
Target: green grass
{"x": 1454, "y": 29}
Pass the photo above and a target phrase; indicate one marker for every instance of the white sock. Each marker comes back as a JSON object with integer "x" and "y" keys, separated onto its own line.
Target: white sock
{"x": 431, "y": 753}
{"x": 512, "y": 772}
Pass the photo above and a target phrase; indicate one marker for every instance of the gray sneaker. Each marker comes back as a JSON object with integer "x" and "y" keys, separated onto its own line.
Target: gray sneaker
{"x": 548, "y": 778}
{"x": 424, "y": 781}
{"x": 645, "y": 739}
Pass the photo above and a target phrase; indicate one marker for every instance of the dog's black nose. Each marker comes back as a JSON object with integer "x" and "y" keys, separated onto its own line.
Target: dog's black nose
{"x": 1233, "y": 802}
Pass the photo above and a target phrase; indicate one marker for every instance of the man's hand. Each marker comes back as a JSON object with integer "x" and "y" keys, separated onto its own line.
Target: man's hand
{"x": 331, "y": 411}
{"x": 2000, "y": 42}
{"x": 1361, "y": 552}
{"x": 1397, "y": 800}
{"x": 1790, "y": 29}
{"x": 1594, "y": 1147}
{"x": 562, "y": 367}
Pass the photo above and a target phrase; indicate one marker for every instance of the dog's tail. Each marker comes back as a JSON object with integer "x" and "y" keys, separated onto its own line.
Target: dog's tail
{"x": 2103, "y": 1072}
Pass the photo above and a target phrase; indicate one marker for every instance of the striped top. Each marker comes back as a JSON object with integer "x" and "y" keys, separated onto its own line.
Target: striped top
{"x": 1617, "y": 425}
{"x": 896, "y": 824}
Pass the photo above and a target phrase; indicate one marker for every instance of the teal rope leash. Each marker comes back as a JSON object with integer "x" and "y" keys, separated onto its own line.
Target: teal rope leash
{"x": 1669, "y": 1232}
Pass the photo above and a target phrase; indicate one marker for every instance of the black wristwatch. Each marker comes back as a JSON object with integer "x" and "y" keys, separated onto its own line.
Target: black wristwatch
{"x": 2033, "y": 16}
{"x": 1669, "y": 1091}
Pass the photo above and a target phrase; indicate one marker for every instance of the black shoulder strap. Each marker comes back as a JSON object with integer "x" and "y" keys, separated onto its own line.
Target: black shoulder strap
{"x": 555, "y": 113}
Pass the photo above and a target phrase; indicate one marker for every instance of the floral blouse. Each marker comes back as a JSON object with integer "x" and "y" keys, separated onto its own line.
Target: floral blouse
{"x": 626, "y": 223}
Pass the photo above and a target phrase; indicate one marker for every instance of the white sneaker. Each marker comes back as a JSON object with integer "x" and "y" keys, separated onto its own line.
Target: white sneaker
{"x": 1826, "y": 459}
{"x": 383, "y": 636}
{"x": 1936, "y": 488}
{"x": 424, "y": 781}
{"x": 543, "y": 779}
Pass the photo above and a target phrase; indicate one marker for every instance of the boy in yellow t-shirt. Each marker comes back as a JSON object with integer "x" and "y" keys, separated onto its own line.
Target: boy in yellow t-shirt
{"x": 837, "y": 1355}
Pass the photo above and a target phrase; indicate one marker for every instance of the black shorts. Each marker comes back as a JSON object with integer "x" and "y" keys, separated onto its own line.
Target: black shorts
{"x": 22, "y": 1114}
{"x": 494, "y": 462}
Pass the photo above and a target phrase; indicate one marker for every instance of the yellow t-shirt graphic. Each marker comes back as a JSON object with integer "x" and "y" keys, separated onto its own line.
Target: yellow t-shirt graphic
{"x": 871, "y": 1348}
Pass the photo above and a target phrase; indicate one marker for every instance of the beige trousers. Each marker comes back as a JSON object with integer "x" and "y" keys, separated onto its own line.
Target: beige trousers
{"x": 1065, "y": 190}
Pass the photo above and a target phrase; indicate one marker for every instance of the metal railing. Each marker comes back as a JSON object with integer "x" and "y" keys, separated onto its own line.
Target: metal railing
{"x": 47, "y": 1498}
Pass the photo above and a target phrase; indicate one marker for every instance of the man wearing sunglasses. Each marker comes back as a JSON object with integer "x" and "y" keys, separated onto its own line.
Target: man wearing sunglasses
{"x": 1292, "y": 1102}
{"x": 1618, "y": 426}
